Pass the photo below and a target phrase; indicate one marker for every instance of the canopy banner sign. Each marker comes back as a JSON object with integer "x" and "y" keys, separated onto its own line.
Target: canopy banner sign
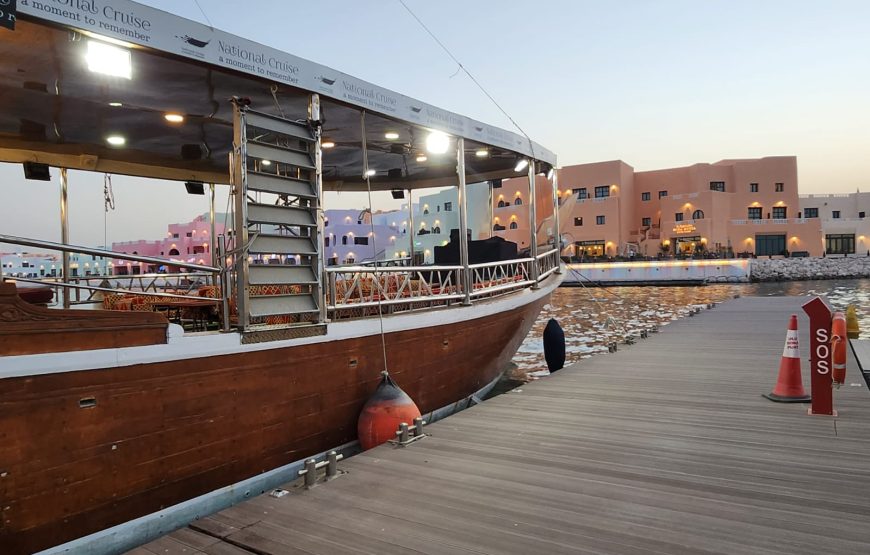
{"x": 136, "y": 24}
{"x": 7, "y": 14}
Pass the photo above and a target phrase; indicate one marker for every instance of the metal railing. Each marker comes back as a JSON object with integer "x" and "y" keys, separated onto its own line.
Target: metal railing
{"x": 406, "y": 288}
{"x": 177, "y": 285}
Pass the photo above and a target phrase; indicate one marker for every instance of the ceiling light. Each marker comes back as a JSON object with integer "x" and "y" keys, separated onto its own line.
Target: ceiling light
{"x": 481, "y": 153}
{"x": 115, "y": 104}
{"x": 116, "y": 140}
{"x": 174, "y": 118}
{"x": 422, "y": 158}
{"x": 391, "y": 135}
{"x": 521, "y": 165}
{"x": 266, "y": 162}
{"x": 437, "y": 142}
{"x": 109, "y": 60}
{"x": 370, "y": 173}
{"x": 327, "y": 144}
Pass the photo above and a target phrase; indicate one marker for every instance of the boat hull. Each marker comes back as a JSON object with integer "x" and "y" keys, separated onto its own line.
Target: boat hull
{"x": 164, "y": 432}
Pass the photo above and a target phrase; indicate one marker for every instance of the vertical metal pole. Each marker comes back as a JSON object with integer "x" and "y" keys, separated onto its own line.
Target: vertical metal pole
{"x": 463, "y": 221}
{"x": 533, "y": 224}
{"x": 557, "y": 233}
{"x": 64, "y": 231}
{"x": 320, "y": 215}
{"x": 240, "y": 234}
{"x": 411, "y": 227}
{"x": 211, "y": 237}
{"x": 491, "y": 211}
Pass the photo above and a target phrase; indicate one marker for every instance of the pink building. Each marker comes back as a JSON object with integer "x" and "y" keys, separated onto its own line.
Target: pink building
{"x": 189, "y": 242}
{"x": 729, "y": 207}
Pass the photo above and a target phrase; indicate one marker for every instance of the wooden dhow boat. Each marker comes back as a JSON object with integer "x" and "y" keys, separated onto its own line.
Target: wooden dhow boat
{"x": 116, "y": 425}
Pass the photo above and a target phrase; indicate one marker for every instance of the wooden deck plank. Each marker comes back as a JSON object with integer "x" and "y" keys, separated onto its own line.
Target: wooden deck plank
{"x": 663, "y": 447}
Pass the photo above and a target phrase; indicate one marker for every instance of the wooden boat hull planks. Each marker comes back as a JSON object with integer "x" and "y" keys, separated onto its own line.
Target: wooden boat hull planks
{"x": 85, "y": 450}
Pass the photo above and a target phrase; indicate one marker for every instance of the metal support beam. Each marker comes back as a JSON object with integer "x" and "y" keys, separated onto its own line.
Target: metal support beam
{"x": 491, "y": 211}
{"x": 533, "y": 224}
{"x": 212, "y": 240}
{"x": 240, "y": 191}
{"x": 410, "y": 227}
{"x": 315, "y": 120}
{"x": 557, "y": 233}
{"x": 64, "y": 231}
{"x": 463, "y": 221}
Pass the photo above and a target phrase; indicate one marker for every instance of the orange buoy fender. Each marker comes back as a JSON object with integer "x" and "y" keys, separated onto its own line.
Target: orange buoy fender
{"x": 838, "y": 347}
{"x": 388, "y": 407}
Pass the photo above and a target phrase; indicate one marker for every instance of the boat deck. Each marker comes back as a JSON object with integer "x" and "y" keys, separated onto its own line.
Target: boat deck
{"x": 666, "y": 446}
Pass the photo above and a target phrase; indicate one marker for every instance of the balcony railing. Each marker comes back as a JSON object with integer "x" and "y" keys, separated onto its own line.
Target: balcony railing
{"x": 776, "y": 221}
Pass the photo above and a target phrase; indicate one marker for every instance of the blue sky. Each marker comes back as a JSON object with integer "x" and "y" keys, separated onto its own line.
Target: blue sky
{"x": 656, "y": 84}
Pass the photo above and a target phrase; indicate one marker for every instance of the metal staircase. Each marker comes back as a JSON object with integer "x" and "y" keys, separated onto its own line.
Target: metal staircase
{"x": 276, "y": 177}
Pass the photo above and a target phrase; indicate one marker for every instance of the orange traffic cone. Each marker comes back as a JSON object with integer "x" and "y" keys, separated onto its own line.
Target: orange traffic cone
{"x": 789, "y": 387}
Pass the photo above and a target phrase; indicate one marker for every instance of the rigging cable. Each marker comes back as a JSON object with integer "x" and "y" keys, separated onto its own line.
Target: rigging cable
{"x": 377, "y": 278}
{"x": 108, "y": 204}
{"x": 202, "y": 11}
{"x": 470, "y": 76}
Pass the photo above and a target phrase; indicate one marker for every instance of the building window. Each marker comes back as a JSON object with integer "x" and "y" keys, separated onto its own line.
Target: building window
{"x": 717, "y": 186}
{"x": 518, "y": 201}
{"x": 779, "y": 212}
{"x": 581, "y": 193}
{"x": 645, "y": 196}
{"x": 753, "y": 187}
{"x": 502, "y": 204}
{"x": 602, "y": 191}
{"x": 448, "y": 207}
{"x": 578, "y": 222}
{"x": 599, "y": 220}
{"x": 811, "y": 212}
{"x": 840, "y": 244}
{"x": 175, "y": 236}
{"x": 513, "y": 225}
{"x": 754, "y": 213}
{"x": 189, "y": 234}
{"x": 360, "y": 240}
{"x": 861, "y": 215}
{"x": 344, "y": 239}
{"x": 498, "y": 227}
{"x": 326, "y": 241}
{"x": 769, "y": 245}
{"x": 663, "y": 194}
{"x": 678, "y": 217}
{"x": 698, "y": 215}
{"x": 780, "y": 187}
{"x": 646, "y": 222}
{"x": 835, "y": 214}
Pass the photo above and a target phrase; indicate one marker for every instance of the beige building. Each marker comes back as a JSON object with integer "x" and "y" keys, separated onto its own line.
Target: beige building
{"x": 845, "y": 228}
{"x": 731, "y": 207}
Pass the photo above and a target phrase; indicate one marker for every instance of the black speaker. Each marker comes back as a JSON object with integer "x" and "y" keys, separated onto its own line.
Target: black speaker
{"x": 496, "y": 183}
{"x": 194, "y": 187}
{"x": 37, "y": 172}
{"x": 398, "y": 193}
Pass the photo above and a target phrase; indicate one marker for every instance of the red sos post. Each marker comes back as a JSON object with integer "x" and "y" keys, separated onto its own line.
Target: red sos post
{"x": 820, "y": 357}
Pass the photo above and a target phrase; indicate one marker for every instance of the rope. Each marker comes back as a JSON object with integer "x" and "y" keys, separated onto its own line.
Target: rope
{"x": 470, "y": 76}
{"x": 610, "y": 319}
{"x": 202, "y": 11}
{"x": 374, "y": 244}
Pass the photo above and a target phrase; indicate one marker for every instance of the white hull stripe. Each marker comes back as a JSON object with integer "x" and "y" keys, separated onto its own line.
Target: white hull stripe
{"x": 189, "y": 346}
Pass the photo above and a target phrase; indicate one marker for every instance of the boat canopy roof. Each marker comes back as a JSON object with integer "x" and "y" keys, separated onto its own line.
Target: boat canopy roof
{"x": 61, "y": 109}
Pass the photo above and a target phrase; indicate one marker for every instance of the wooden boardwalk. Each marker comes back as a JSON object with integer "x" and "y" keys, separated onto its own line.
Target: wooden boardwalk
{"x": 664, "y": 447}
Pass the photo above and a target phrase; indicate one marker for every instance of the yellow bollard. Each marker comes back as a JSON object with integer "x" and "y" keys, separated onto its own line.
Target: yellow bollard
{"x": 851, "y": 322}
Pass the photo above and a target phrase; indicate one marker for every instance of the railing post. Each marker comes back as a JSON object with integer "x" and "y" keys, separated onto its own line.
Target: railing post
{"x": 557, "y": 233}
{"x": 533, "y": 225}
{"x": 410, "y": 228}
{"x": 64, "y": 232}
{"x": 240, "y": 232}
{"x": 315, "y": 118}
{"x": 467, "y": 285}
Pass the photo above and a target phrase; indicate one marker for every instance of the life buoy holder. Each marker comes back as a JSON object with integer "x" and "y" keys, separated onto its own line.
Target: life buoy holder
{"x": 838, "y": 348}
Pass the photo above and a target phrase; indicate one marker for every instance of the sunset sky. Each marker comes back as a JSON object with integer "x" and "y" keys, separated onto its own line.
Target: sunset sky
{"x": 656, "y": 84}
